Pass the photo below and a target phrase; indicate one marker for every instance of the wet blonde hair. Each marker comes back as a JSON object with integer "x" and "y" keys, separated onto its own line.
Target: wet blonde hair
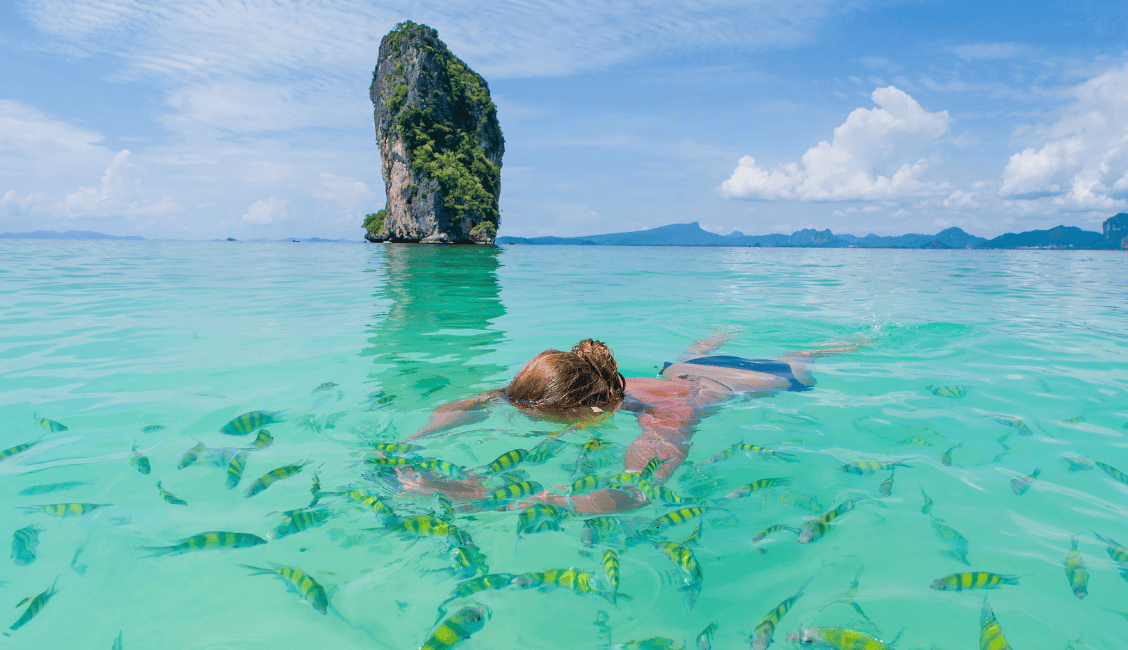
{"x": 556, "y": 381}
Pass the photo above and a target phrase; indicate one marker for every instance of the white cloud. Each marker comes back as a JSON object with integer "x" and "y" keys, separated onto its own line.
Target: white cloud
{"x": 32, "y": 140}
{"x": 351, "y": 194}
{"x": 119, "y": 193}
{"x": 266, "y": 212}
{"x": 875, "y": 154}
{"x": 11, "y": 204}
{"x": 1083, "y": 163}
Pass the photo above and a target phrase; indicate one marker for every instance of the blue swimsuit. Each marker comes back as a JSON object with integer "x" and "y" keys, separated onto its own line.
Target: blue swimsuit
{"x": 781, "y": 370}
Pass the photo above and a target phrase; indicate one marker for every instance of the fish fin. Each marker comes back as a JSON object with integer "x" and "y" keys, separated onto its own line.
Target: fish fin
{"x": 256, "y": 570}
{"x": 903, "y": 630}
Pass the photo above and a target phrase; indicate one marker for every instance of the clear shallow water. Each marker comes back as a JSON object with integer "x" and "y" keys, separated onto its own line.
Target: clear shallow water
{"x": 108, "y": 338}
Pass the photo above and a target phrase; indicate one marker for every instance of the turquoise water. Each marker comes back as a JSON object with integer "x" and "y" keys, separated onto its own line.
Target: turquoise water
{"x": 109, "y": 338}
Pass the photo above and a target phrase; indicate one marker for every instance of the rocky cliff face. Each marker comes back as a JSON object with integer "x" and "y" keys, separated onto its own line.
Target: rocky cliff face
{"x": 440, "y": 142}
{"x": 1116, "y": 230}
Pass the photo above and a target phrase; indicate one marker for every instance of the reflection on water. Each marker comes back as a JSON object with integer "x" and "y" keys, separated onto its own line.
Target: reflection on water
{"x": 428, "y": 346}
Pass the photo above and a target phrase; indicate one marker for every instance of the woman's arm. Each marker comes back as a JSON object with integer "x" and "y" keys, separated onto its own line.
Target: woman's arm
{"x": 452, "y": 414}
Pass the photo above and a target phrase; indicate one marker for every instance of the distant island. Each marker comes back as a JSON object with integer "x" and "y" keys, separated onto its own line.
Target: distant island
{"x": 1113, "y": 237}
{"x": 89, "y": 234}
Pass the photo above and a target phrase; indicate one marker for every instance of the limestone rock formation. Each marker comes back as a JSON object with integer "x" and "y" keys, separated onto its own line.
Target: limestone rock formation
{"x": 1116, "y": 230}
{"x": 440, "y": 143}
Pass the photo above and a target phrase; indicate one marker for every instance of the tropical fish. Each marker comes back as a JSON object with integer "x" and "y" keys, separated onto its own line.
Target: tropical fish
{"x": 622, "y": 479}
{"x": 611, "y": 568}
{"x": 668, "y": 496}
{"x": 139, "y": 461}
{"x": 794, "y": 499}
{"x": 927, "y": 507}
{"x": 950, "y": 535}
{"x": 1076, "y": 420}
{"x": 12, "y": 451}
{"x": 741, "y": 446}
{"x": 457, "y": 628}
{"x": 650, "y": 643}
{"x": 774, "y": 528}
{"x": 990, "y": 634}
{"x": 1015, "y": 423}
{"x": 972, "y": 580}
{"x": 1113, "y": 472}
{"x": 695, "y": 536}
{"x": 651, "y": 466}
{"x": 323, "y": 387}
{"x": 508, "y": 460}
{"x": 262, "y": 440}
{"x": 915, "y": 441}
{"x": 1077, "y": 463}
{"x": 235, "y": 469}
{"x": 869, "y": 466}
{"x": 538, "y": 513}
{"x": 886, "y": 487}
{"x": 424, "y": 525}
{"x": 467, "y": 561}
{"x": 24, "y": 543}
{"x": 191, "y": 455}
{"x": 762, "y": 637}
{"x": 295, "y": 521}
{"x": 208, "y": 540}
{"x": 816, "y": 528}
{"x": 315, "y": 490}
{"x": 836, "y": 638}
{"x": 1118, "y": 553}
{"x": 685, "y": 559}
{"x": 65, "y": 509}
{"x": 481, "y": 583}
{"x": 446, "y": 508}
{"x": 705, "y": 639}
{"x": 51, "y": 487}
{"x": 675, "y": 517}
{"x": 396, "y": 447}
{"x": 544, "y": 451}
{"x": 755, "y": 486}
{"x": 515, "y": 491}
{"x": 276, "y": 474}
{"x": 1075, "y": 571}
{"x": 299, "y": 581}
{"x": 450, "y": 470}
{"x": 946, "y": 457}
{"x": 1021, "y": 485}
{"x": 953, "y": 391}
{"x": 369, "y": 501}
{"x": 570, "y": 578}
{"x": 393, "y": 461}
{"x": 37, "y": 603}
{"x": 598, "y": 528}
{"x": 170, "y": 497}
{"x": 50, "y": 425}
{"x": 250, "y": 421}
{"x": 153, "y": 428}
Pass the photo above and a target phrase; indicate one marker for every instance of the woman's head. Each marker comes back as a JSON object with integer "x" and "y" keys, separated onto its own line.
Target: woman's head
{"x": 559, "y": 382}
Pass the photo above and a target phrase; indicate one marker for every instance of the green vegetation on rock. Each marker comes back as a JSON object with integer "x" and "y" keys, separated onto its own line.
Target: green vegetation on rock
{"x": 374, "y": 223}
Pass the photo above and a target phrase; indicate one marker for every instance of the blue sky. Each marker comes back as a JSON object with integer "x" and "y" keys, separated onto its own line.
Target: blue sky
{"x": 199, "y": 120}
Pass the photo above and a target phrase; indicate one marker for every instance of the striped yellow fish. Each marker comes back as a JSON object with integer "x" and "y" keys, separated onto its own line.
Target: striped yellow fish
{"x": 392, "y": 461}
{"x": 774, "y": 528}
{"x": 250, "y": 421}
{"x": 927, "y": 507}
{"x": 50, "y": 425}
{"x": 990, "y": 634}
{"x": 66, "y": 509}
{"x": 611, "y": 568}
{"x": 756, "y": 486}
{"x": 1015, "y": 423}
{"x": 299, "y": 581}
{"x": 1020, "y": 485}
{"x": 836, "y": 638}
{"x": 235, "y": 469}
{"x": 37, "y": 603}
{"x": 1113, "y": 472}
{"x": 597, "y": 529}
{"x": 208, "y": 540}
{"x": 396, "y": 447}
{"x": 450, "y": 470}
{"x": 538, "y": 513}
{"x": 685, "y": 559}
{"x": 153, "y": 428}
{"x": 508, "y": 460}
{"x": 139, "y": 461}
{"x": 1076, "y": 572}
{"x": 544, "y": 451}
{"x": 170, "y": 497}
{"x": 262, "y": 440}
{"x": 651, "y": 466}
{"x": 24, "y": 543}
{"x": 869, "y": 466}
{"x": 191, "y": 455}
{"x": 457, "y": 628}
{"x": 952, "y": 537}
{"x": 467, "y": 561}
{"x": 649, "y": 643}
{"x": 675, "y": 517}
{"x": 1118, "y": 553}
{"x": 762, "y": 637}
{"x": 446, "y": 510}
{"x": 12, "y": 451}
{"x": 886, "y": 486}
{"x": 817, "y": 528}
{"x": 915, "y": 441}
{"x": 946, "y": 457}
{"x": 50, "y": 487}
{"x": 423, "y": 525}
{"x": 315, "y": 490}
{"x": 695, "y": 536}
{"x": 953, "y": 391}
{"x": 370, "y": 501}
{"x": 741, "y": 446}
{"x": 705, "y": 639}
{"x": 295, "y": 521}
{"x": 276, "y": 474}
{"x": 515, "y": 491}
{"x": 972, "y": 580}
{"x": 570, "y": 578}
{"x": 482, "y": 583}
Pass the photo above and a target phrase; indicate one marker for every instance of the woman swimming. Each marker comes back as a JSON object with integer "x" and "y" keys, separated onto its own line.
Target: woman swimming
{"x": 584, "y": 385}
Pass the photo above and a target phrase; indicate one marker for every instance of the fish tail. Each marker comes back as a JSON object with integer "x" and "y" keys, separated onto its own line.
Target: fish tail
{"x": 1037, "y": 472}
{"x": 159, "y": 550}
{"x": 1009, "y": 580}
{"x": 256, "y": 571}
